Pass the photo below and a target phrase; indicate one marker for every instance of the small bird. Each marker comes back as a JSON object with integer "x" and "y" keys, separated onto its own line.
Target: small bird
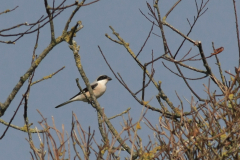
{"x": 98, "y": 87}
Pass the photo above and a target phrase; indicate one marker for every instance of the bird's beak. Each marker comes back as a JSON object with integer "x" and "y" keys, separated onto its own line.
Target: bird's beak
{"x": 109, "y": 79}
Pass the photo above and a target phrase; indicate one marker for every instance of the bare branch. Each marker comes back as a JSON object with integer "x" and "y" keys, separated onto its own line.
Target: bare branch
{"x": 8, "y": 10}
{"x": 50, "y": 18}
{"x": 48, "y": 77}
{"x": 145, "y": 40}
{"x": 236, "y": 19}
{"x": 171, "y": 9}
{"x": 72, "y": 15}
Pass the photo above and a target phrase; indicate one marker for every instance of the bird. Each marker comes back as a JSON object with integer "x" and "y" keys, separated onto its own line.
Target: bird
{"x": 98, "y": 87}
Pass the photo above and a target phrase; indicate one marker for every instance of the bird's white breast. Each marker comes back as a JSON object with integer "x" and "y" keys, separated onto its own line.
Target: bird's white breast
{"x": 100, "y": 89}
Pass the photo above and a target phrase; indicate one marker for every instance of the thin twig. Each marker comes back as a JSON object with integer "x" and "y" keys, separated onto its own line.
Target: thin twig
{"x": 143, "y": 83}
{"x": 8, "y": 10}
{"x": 47, "y": 77}
{"x": 183, "y": 76}
{"x": 72, "y": 15}
{"x": 145, "y": 40}
{"x": 219, "y": 66}
{"x": 170, "y": 10}
{"x": 236, "y": 19}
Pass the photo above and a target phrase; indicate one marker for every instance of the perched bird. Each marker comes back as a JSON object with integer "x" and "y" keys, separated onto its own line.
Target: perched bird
{"x": 98, "y": 87}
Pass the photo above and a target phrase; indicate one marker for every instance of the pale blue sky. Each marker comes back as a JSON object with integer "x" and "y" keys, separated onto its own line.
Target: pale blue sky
{"x": 216, "y": 25}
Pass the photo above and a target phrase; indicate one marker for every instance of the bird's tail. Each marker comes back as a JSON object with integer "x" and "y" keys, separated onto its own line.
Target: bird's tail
{"x": 60, "y": 105}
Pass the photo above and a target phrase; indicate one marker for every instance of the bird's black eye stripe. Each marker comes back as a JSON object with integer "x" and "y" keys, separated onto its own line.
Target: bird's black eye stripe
{"x": 102, "y": 77}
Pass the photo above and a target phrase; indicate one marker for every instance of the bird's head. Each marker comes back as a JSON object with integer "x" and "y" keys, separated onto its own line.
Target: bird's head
{"x": 103, "y": 78}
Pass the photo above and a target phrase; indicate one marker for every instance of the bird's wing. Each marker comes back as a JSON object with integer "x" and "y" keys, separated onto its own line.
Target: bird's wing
{"x": 85, "y": 90}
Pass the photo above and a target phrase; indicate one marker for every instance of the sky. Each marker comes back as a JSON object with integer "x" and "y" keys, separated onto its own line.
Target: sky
{"x": 216, "y": 25}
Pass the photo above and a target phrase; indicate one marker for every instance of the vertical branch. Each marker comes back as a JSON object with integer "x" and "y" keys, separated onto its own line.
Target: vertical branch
{"x": 100, "y": 126}
{"x": 25, "y": 116}
{"x": 36, "y": 45}
{"x": 50, "y": 19}
{"x": 144, "y": 77}
{"x": 209, "y": 71}
{"x": 219, "y": 66}
{"x": 235, "y": 11}
{"x": 205, "y": 63}
{"x": 161, "y": 27}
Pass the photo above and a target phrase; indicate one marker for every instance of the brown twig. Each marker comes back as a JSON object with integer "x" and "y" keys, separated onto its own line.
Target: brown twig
{"x": 150, "y": 79}
{"x": 219, "y": 66}
{"x": 236, "y": 19}
{"x": 72, "y": 15}
{"x": 147, "y": 83}
{"x": 143, "y": 83}
{"x": 160, "y": 24}
{"x": 183, "y": 76}
{"x": 145, "y": 40}
{"x": 168, "y": 58}
{"x": 171, "y": 9}
{"x": 148, "y": 18}
{"x": 29, "y": 24}
{"x": 8, "y": 10}
{"x": 51, "y": 21}
{"x": 47, "y": 77}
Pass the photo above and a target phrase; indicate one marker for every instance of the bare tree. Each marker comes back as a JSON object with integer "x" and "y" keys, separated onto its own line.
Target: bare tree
{"x": 210, "y": 130}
